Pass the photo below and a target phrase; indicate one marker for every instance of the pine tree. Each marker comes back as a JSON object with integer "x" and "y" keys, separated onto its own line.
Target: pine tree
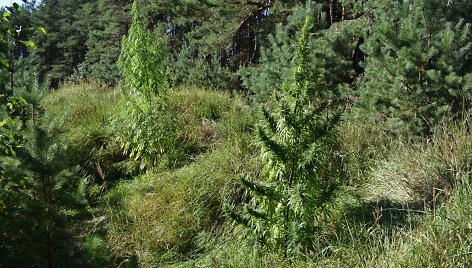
{"x": 42, "y": 158}
{"x": 63, "y": 47}
{"x": 274, "y": 67}
{"x": 334, "y": 54}
{"x": 51, "y": 185}
{"x": 106, "y": 22}
{"x": 417, "y": 70}
{"x": 33, "y": 182}
{"x": 295, "y": 142}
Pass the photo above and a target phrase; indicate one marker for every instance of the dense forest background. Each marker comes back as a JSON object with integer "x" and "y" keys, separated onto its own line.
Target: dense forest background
{"x": 211, "y": 133}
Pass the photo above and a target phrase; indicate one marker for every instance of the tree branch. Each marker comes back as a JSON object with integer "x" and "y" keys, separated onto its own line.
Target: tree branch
{"x": 258, "y": 4}
{"x": 360, "y": 16}
{"x": 260, "y": 7}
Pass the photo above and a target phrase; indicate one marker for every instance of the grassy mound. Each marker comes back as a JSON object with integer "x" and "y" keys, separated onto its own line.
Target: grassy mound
{"x": 160, "y": 215}
{"x": 413, "y": 209}
{"x": 86, "y": 111}
{"x": 163, "y": 216}
{"x": 404, "y": 203}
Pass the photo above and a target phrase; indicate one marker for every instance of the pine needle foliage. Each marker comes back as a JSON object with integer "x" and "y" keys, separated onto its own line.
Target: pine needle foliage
{"x": 50, "y": 187}
{"x": 295, "y": 140}
{"x": 417, "y": 69}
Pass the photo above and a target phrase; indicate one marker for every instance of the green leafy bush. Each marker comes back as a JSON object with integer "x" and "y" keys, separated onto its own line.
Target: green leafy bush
{"x": 296, "y": 145}
{"x": 144, "y": 130}
{"x": 142, "y": 59}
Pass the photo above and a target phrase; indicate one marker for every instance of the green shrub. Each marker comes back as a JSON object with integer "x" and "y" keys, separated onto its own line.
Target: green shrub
{"x": 142, "y": 59}
{"x": 296, "y": 142}
{"x": 144, "y": 129}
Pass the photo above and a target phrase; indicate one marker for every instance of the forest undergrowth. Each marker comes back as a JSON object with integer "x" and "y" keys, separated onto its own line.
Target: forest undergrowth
{"x": 236, "y": 133}
{"x": 403, "y": 203}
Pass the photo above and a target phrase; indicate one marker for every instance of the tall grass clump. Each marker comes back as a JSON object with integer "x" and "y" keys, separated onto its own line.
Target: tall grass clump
{"x": 85, "y": 111}
{"x": 164, "y": 215}
{"x": 414, "y": 207}
{"x": 439, "y": 238}
{"x": 362, "y": 145}
{"x": 425, "y": 172}
{"x": 444, "y": 238}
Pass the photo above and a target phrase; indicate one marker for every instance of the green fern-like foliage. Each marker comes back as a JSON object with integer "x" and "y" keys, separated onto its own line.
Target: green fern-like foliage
{"x": 142, "y": 59}
{"x": 144, "y": 129}
{"x": 295, "y": 143}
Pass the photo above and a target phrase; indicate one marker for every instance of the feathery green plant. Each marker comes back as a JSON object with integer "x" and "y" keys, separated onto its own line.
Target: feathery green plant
{"x": 295, "y": 142}
{"x": 142, "y": 59}
{"x": 143, "y": 129}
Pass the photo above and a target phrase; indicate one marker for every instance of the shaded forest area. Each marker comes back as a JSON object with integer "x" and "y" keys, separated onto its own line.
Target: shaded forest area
{"x": 211, "y": 133}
